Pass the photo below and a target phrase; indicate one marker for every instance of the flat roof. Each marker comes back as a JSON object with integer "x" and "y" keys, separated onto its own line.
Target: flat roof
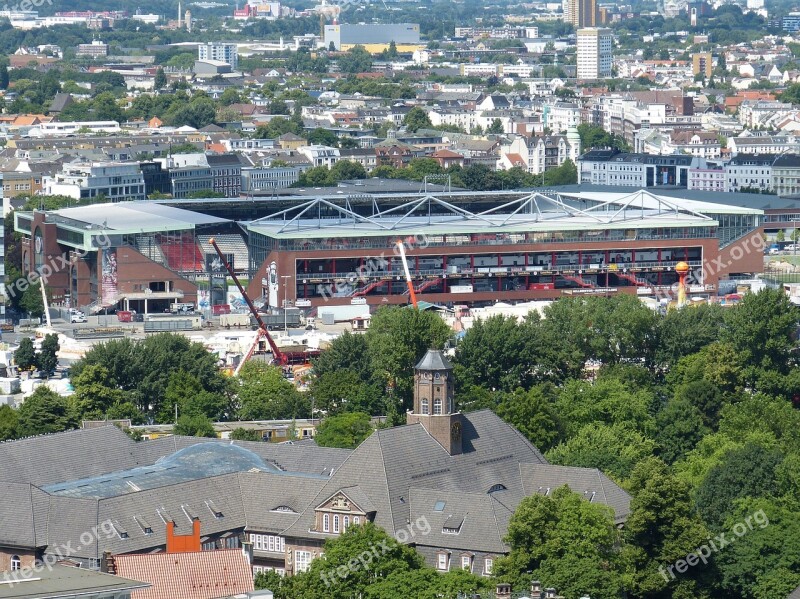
{"x": 63, "y": 581}
{"x": 130, "y": 217}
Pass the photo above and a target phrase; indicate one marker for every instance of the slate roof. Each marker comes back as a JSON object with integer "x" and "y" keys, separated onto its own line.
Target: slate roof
{"x": 434, "y": 360}
{"x": 589, "y": 482}
{"x": 392, "y": 462}
{"x": 195, "y": 575}
{"x": 58, "y": 457}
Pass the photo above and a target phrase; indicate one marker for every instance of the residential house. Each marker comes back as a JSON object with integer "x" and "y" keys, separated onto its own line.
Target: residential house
{"x": 749, "y": 172}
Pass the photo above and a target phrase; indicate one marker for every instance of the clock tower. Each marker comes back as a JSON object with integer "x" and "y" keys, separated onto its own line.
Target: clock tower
{"x": 434, "y": 406}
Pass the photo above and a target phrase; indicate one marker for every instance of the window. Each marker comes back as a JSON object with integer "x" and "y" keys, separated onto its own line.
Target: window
{"x": 326, "y": 523}
{"x": 437, "y": 405}
{"x": 302, "y": 560}
{"x": 488, "y": 564}
{"x": 232, "y": 542}
{"x": 439, "y": 506}
{"x": 345, "y": 522}
{"x": 268, "y": 543}
{"x": 356, "y": 520}
{"x": 336, "y": 523}
{"x": 424, "y": 406}
{"x": 16, "y": 563}
{"x": 466, "y": 562}
{"x": 209, "y": 546}
{"x": 442, "y": 561}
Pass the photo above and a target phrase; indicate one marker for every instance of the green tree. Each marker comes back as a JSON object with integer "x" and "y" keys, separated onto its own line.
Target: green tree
{"x": 346, "y": 170}
{"x": 25, "y": 355}
{"x": 95, "y": 391}
{"x": 160, "y": 81}
{"x": 243, "y": 434}
{"x": 684, "y": 332}
{"x": 781, "y": 236}
{"x": 397, "y": 339}
{"x": 355, "y": 60}
{"x": 185, "y": 391}
{"x": 263, "y": 394}
{"x": 346, "y": 430}
{"x": 9, "y": 423}
{"x": 323, "y": 137}
{"x": 534, "y": 414}
{"x": 229, "y": 96}
{"x": 3, "y": 76}
{"x": 680, "y": 428}
{"x": 195, "y": 425}
{"x": 615, "y": 449}
{"x": 321, "y": 579}
{"x": 662, "y": 528}
{"x": 496, "y": 353}
{"x": 764, "y": 562}
{"x": 143, "y": 368}
{"x": 345, "y": 391}
{"x": 105, "y": 108}
{"x": 565, "y": 542}
{"x": 607, "y": 401}
{"x": 31, "y": 300}
{"x": 762, "y": 328}
{"x": 746, "y": 472}
{"x": 44, "y": 411}
{"x": 496, "y": 127}
{"x": 48, "y": 355}
{"x": 416, "y": 119}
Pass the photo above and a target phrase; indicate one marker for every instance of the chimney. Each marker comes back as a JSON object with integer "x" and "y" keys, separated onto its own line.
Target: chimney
{"x": 550, "y": 593}
{"x": 536, "y": 589}
{"x": 247, "y": 549}
{"x": 503, "y": 591}
{"x": 108, "y": 564}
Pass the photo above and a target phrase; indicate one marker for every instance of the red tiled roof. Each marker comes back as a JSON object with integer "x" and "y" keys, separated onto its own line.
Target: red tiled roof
{"x": 199, "y": 575}
{"x": 515, "y": 159}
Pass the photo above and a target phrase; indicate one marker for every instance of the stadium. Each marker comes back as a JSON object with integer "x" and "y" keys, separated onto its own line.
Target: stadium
{"x": 462, "y": 247}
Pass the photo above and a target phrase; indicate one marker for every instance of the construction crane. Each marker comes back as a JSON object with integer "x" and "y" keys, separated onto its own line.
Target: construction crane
{"x": 411, "y": 292}
{"x": 278, "y": 357}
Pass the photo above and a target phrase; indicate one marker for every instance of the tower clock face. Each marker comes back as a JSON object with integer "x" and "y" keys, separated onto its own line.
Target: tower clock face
{"x": 455, "y": 431}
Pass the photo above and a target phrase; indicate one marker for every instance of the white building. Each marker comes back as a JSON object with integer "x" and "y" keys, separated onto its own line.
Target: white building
{"x": 220, "y": 52}
{"x": 706, "y": 179}
{"x": 749, "y": 171}
{"x": 561, "y": 116}
{"x": 594, "y": 52}
{"x": 115, "y": 180}
{"x": 259, "y": 178}
{"x": 320, "y": 155}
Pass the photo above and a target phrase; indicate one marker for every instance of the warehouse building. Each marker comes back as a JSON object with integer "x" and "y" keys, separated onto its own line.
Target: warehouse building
{"x": 372, "y": 36}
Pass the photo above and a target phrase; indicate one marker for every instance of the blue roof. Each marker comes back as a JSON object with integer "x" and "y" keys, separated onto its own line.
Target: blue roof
{"x": 191, "y": 463}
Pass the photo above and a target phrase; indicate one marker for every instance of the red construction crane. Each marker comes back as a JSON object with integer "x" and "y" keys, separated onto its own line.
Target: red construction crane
{"x": 278, "y": 357}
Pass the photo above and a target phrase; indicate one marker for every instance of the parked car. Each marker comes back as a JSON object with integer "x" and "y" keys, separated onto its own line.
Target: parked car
{"x": 77, "y": 316}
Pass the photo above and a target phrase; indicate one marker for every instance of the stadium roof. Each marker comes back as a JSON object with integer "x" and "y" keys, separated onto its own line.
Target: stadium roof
{"x": 130, "y": 217}
{"x": 534, "y": 212}
{"x": 707, "y": 202}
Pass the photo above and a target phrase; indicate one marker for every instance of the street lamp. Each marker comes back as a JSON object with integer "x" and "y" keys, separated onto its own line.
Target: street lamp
{"x": 285, "y": 303}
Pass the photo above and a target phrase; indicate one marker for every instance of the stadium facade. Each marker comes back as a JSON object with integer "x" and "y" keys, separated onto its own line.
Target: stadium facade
{"x": 462, "y": 247}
